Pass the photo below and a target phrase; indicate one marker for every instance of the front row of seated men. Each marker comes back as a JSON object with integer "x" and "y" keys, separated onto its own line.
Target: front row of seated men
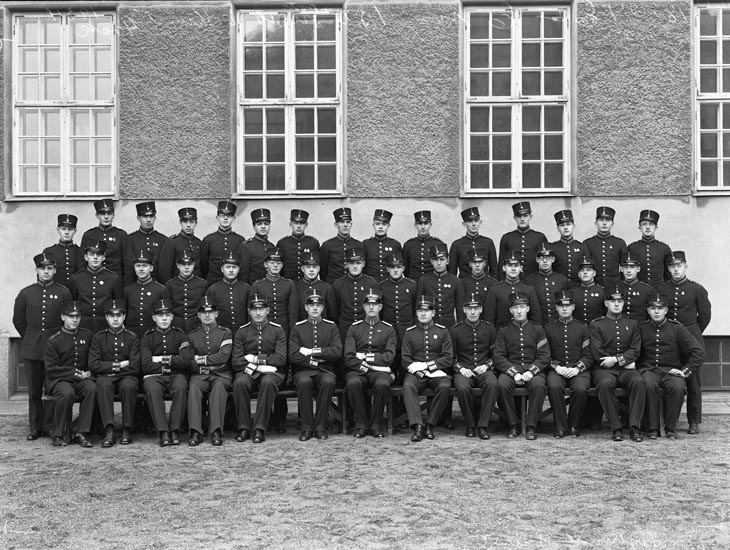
{"x": 615, "y": 351}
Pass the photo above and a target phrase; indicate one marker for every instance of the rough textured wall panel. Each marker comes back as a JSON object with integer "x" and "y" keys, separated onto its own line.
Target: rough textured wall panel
{"x": 402, "y": 100}
{"x": 634, "y": 127}
{"x": 3, "y": 107}
{"x": 174, "y": 102}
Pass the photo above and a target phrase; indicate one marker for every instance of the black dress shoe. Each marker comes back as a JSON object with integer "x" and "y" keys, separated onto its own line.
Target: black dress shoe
{"x": 164, "y": 439}
{"x": 694, "y": 428}
{"x": 320, "y": 434}
{"x": 559, "y": 434}
{"x": 259, "y": 436}
{"x": 195, "y": 438}
{"x": 216, "y": 438}
{"x": 618, "y": 435}
{"x": 470, "y": 432}
{"x": 174, "y": 437}
{"x": 574, "y": 432}
{"x": 243, "y": 435}
{"x": 635, "y": 435}
{"x": 305, "y": 435}
{"x": 530, "y": 434}
{"x": 670, "y": 434}
{"x": 35, "y": 434}
{"x": 360, "y": 433}
{"x": 652, "y": 434}
{"x": 58, "y": 441}
{"x": 429, "y": 432}
{"x": 513, "y": 432}
{"x": 126, "y": 436}
{"x": 82, "y": 440}
{"x": 483, "y": 433}
{"x": 417, "y": 432}
{"x": 109, "y": 438}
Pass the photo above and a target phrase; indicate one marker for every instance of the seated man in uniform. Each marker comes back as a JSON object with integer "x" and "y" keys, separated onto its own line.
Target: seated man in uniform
{"x": 369, "y": 353}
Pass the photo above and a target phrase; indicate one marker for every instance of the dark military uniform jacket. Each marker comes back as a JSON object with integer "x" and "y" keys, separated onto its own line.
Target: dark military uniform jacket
{"x": 253, "y": 252}
{"x": 377, "y": 340}
{"x": 93, "y": 289}
{"x": 524, "y": 242}
{"x": 653, "y": 256}
{"x": 140, "y": 296}
{"x": 588, "y": 302}
{"x": 302, "y": 286}
{"x": 64, "y": 354}
{"x": 170, "y": 250}
{"x": 416, "y": 256}
{"x": 448, "y": 292}
{"x": 459, "y": 254}
{"x": 37, "y": 315}
{"x": 616, "y": 336}
{"x": 376, "y": 250}
{"x": 567, "y": 255}
{"x": 115, "y": 240}
{"x": 282, "y": 299}
{"x": 497, "y": 310}
{"x": 213, "y": 249}
{"x": 350, "y": 295}
{"x": 69, "y": 259}
{"x": 266, "y": 341}
{"x": 669, "y": 345}
{"x": 546, "y": 285}
{"x": 473, "y": 344}
{"x": 108, "y": 348}
{"x": 635, "y": 296}
{"x": 689, "y": 304}
{"x": 430, "y": 344}
{"x": 332, "y": 257}
{"x": 570, "y": 344}
{"x": 214, "y": 344}
{"x": 232, "y": 299}
{"x": 319, "y": 335}
{"x": 172, "y": 344}
{"x": 151, "y": 241}
{"x": 521, "y": 347}
{"x": 399, "y": 303}
{"x": 606, "y": 251}
{"x": 185, "y": 295}
{"x": 292, "y": 250}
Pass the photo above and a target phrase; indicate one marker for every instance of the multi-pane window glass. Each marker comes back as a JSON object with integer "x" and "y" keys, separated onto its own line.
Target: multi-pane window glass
{"x": 63, "y": 98}
{"x": 289, "y": 96}
{"x": 713, "y": 98}
{"x": 517, "y": 100}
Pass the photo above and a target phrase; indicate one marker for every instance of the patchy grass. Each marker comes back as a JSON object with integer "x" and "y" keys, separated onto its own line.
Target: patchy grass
{"x": 345, "y": 493}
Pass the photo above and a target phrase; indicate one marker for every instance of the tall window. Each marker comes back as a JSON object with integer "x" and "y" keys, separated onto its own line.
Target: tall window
{"x": 64, "y": 105}
{"x": 289, "y": 94}
{"x": 712, "y": 80}
{"x": 517, "y": 99}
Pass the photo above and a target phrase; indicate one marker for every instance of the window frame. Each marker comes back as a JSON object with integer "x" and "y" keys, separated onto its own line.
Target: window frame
{"x": 66, "y": 106}
{"x": 290, "y": 103}
{"x": 517, "y": 103}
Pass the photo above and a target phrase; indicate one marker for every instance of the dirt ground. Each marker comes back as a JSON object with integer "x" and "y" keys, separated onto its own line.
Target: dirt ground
{"x": 453, "y": 492}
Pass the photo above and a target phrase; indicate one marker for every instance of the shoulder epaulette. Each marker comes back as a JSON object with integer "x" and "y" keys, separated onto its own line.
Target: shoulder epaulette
{"x": 301, "y": 322}
{"x": 244, "y": 326}
{"x": 386, "y": 323}
{"x": 458, "y": 324}
{"x": 674, "y": 321}
{"x": 198, "y": 329}
{"x": 52, "y": 336}
{"x": 274, "y": 324}
{"x": 439, "y": 326}
{"x": 328, "y": 321}
{"x": 150, "y": 330}
{"x": 410, "y": 328}
{"x": 356, "y": 323}
{"x": 598, "y": 319}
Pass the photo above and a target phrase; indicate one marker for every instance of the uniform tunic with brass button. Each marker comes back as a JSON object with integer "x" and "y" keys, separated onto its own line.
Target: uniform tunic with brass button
{"x": 653, "y": 257}
{"x": 115, "y": 240}
{"x": 253, "y": 253}
{"x": 185, "y": 293}
{"x": 479, "y": 285}
{"x": 473, "y": 347}
{"x": 65, "y": 353}
{"x": 293, "y": 249}
{"x": 304, "y": 285}
{"x": 138, "y": 241}
{"x": 93, "y": 288}
{"x": 350, "y": 294}
{"x": 376, "y": 250}
{"x": 332, "y": 257}
{"x": 588, "y": 302}
{"x": 497, "y": 302}
{"x": 459, "y": 254}
{"x": 568, "y": 253}
{"x": 213, "y": 249}
{"x": 416, "y": 256}
{"x": 635, "y": 295}
{"x": 606, "y": 250}
{"x": 399, "y": 306}
{"x": 173, "y": 344}
{"x": 525, "y": 242}
{"x": 69, "y": 259}
{"x": 267, "y": 341}
{"x": 546, "y": 284}
{"x": 140, "y": 296}
{"x": 170, "y": 251}
{"x": 282, "y": 298}
{"x": 620, "y": 337}
{"x": 231, "y": 297}
{"x": 518, "y": 348}
{"x": 448, "y": 292}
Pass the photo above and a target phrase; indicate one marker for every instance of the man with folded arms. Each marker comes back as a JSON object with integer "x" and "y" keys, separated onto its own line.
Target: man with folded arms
{"x": 166, "y": 356}
{"x": 669, "y": 356}
{"x": 369, "y": 353}
{"x": 259, "y": 361}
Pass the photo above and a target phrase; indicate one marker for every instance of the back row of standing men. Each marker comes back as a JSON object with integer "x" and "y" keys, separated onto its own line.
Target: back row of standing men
{"x": 227, "y": 262}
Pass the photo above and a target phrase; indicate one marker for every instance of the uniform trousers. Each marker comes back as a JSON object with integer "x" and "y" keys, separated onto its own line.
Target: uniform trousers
{"x": 578, "y": 385}
{"x": 64, "y": 393}
{"x": 243, "y": 386}
{"x": 536, "y": 397}
{"x": 607, "y": 380}
{"x": 674, "y": 389}
{"x": 126, "y": 386}
{"x": 35, "y": 375}
{"x": 413, "y": 386}
{"x": 694, "y": 385}
{"x": 215, "y": 388}
{"x": 356, "y": 385}
{"x": 323, "y": 382}
{"x": 488, "y": 383}
{"x": 156, "y": 387}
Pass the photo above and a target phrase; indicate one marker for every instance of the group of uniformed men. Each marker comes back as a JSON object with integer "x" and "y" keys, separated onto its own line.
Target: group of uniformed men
{"x": 190, "y": 319}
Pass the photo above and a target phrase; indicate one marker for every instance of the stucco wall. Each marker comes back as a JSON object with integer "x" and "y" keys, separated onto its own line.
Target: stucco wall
{"x": 4, "y": 55}
{"x": 402, "y": 100}
{"x": 634, "y": 127}
{"x": 175, "y": 108}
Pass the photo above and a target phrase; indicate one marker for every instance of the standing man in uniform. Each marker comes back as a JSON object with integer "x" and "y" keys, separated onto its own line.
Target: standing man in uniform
{"x": 66, "y": 356}
{"x": 589, "y": 296}
{"x": 230, "y": 293}
{"x": 310, "y": 281}
{"x": 669, "y": 356}
{"x": 690, "y": 305}
{"x": 259, "y": 362}
{"x": 350, "y": 290}
{"x": 141, "y": 294}
{"x": 166, "y": 357}
{"x": 473, "y": 341}
{"x": 570, "y": 367}
{"x": 369, "y": 354}
{"x": 185, "y": 290}
{"x": 446, "y": 288}
{"x": 315, "y": 349}
{"x": 521, "y": 356}
{"x": 211, "y": 374}
{"x": 546, "y": 282}
{"x": 653, "y": 254}
{"x": 478, "y": 281}
{"x": 114, "y": 237}
{"x": 68, "y": 255}
{"x": 114, "y": 359}
{"x": 295, "y": 247}
{"x": 415, "y": 250}
{"x": 635, "y": 291}
{"x": 94, "y": 286}
{"x": 36, "y": 316}
{"x": 567, "y": 249}
{"x": 459, "y": 253}
{"x": 498, "y": 298}
{"x": 332, "y": 251}
{"x": 379, "y": 246}
{"x": 615, "y": 345}
{"x": 523, "y": 240}
{"x": 218, "y": 244}
{"x": 282, "y": 297}
{"x": 146, "y": 239}
{"x": 185, "y": 241}
{"x": 399, "y": 303}
{"x": 606, "y": 249}
{"x": 253, "y": 251}
{"x": 427, "y": 356}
